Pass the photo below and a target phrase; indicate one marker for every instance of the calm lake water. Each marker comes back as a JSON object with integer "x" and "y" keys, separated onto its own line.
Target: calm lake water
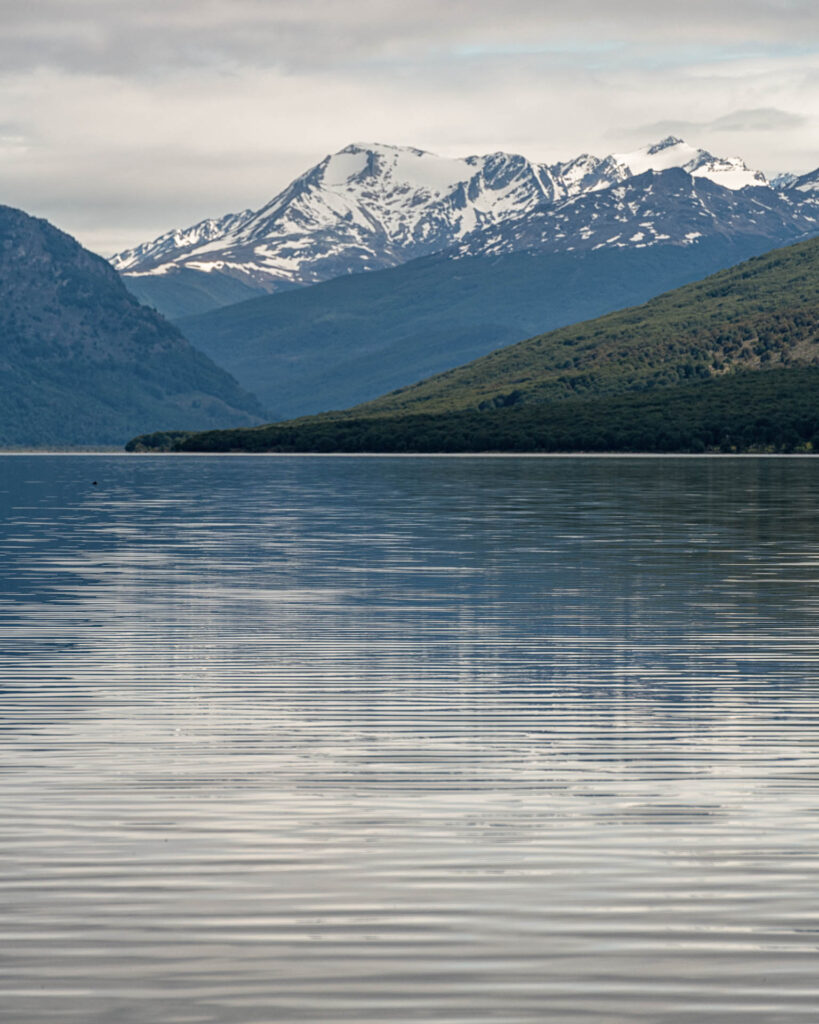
{"x": 400, "y": 740}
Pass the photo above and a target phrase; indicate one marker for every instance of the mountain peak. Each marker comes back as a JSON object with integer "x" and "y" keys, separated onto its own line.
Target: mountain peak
{"x": 732, "y": 173}
{"x": 384, "y": 148}
{"x": 667, "y": 143}
{"x": 396, "y": 166}
{"x": 373, "y": 205}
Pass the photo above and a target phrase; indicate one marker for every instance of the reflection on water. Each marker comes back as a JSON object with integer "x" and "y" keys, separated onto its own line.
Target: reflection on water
{"x": 349, "y": 739}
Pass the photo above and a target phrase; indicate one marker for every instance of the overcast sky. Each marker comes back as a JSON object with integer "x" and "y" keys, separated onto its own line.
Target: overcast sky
{"x": 120, "y": 119}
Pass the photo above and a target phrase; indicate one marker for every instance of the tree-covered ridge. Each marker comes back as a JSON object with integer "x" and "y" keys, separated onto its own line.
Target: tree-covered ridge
{"x": 760, "y": 314}
{"x": 774, "y": 411}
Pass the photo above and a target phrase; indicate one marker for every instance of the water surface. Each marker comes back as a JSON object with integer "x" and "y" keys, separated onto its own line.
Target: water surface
{"x": 409, "y": 739}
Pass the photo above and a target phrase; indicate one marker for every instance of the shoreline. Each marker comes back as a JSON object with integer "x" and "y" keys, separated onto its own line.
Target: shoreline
{"x": 42, "y": 452}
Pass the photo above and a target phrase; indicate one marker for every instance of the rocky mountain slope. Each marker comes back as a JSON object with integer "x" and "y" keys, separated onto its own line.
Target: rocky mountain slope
{"x": 654, "y": 208}
{"x": 370, "y": 207}
{"x": 81, "y": 362}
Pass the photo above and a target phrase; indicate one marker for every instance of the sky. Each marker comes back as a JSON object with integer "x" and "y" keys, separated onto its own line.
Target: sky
{"x": 121, "y": 119}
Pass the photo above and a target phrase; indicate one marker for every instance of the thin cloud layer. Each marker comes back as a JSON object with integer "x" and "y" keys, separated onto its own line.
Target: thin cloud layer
{"x": 114, "y": 36}
{"x": 763, "y": 119}
{"x": 121, "y": 120}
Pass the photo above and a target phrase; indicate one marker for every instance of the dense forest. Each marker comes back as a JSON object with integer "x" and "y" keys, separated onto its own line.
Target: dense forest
{"x": 775, "y": 411}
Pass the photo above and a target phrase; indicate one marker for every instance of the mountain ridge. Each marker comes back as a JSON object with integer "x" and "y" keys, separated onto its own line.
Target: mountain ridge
{"x": 81, "y": 361}
{"x": 373, "y": 206}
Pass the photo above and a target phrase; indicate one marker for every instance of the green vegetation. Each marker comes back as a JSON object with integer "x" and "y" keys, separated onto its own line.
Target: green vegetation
{"x": 81, "y": 362}
{"x": 775, "y": 411}
{"x": 351, "y": 339}
{"x": 727, "y": 364}
{"x": 761, "y": 314}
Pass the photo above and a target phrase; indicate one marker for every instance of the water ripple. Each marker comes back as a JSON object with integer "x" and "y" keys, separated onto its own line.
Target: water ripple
{"x": 400, "y": 740}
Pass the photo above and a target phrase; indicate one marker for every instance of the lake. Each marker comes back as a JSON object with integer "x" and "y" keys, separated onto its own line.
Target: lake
{"x": 294, "y": 739}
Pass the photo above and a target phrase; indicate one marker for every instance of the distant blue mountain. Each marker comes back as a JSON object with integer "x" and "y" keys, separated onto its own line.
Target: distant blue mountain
{"x": 353, "y": 338}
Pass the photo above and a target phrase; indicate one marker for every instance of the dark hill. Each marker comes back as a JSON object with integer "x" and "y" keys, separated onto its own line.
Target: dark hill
{"x": 730, "y": 362}
{"x": 81, "y": 362}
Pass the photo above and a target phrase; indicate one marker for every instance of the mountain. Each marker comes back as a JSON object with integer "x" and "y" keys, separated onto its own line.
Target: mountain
{"x": 353, "y": 338}
{"x": 364, "y": 208}
{"x": 672, "y": 152}
{"x": 81, "y": 362}
{"x": 758, "y": 315}
{"x": 731, "y": 362}
{"x": 665, "y": 207}
{"x": 370, "y": 207}
{"x": 183, "y": 292}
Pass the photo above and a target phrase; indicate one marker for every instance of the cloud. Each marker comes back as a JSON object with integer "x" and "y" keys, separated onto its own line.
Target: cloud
{"x": 760, "y": 119}
{"x": 120, "y": 37}
{"x": 763, "y": 119}
{"x": 124, "y": 119}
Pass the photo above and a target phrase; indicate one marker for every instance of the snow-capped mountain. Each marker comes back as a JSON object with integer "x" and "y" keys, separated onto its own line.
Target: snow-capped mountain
{"x": 370, "y": 207}
{"x": 169, "y": 246}
{"x": 673, "y": 152}
{"x": 657, "y": 207}
{"x": 366, "y": 208}
{"x": 807, "y": 183}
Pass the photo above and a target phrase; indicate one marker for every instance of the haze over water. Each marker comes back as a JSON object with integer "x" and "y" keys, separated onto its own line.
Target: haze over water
{"x": 409, "y": 739}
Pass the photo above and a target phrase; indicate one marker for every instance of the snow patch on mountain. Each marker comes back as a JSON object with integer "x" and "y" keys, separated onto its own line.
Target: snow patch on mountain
{"x": 732, "y": 173}
{"x": 175, "y": 243}
{"x": 372, "y": 206}
{"x": 808, "y": 184}
{"x": 656, "y": 207}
